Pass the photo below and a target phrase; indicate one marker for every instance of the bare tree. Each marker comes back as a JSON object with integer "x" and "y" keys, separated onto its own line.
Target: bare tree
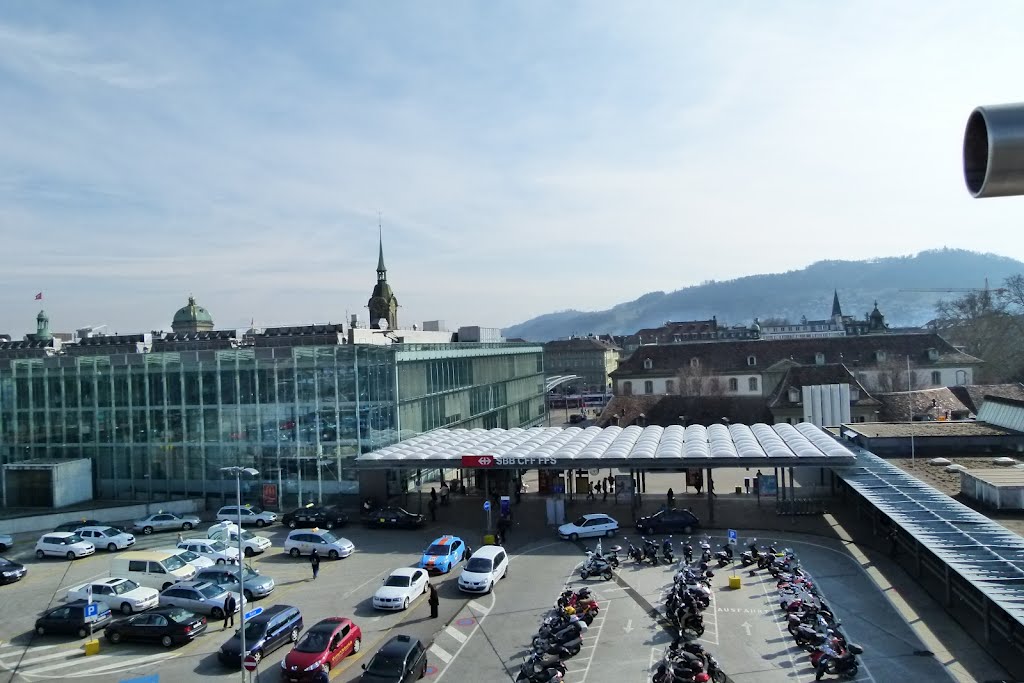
{"x": 697, "y": 380}
{"x": 892, "y": 376}
{"x": 988, "y": 324}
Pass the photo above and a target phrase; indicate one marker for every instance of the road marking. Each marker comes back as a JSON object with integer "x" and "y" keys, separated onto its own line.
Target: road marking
{"x": 456, "y": 634}
{"x": 441, "y": 653}
{"x": 128, "y": 664}
{"x": 473, "y": 604}
{"x": 82, "y": 582}
{"x": 44, "y": 658}
{"x": 33, "y": 648}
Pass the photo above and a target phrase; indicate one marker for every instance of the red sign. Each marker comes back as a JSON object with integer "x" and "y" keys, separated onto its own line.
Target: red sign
{"x": 477, "y": 460}
{"x": 249, "y": 662}
{"x": 270, "y": 495}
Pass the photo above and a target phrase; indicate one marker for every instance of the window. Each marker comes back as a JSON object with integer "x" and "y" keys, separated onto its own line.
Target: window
{"x": 819, "y": 358}
{"x": 694, "y": 362}
{"x": 648, "y": 364}
{"x": 752, "y": 384}
{"x": 961, "y": 377}
{"x": 734, "y": 384}
{"x": 751, "y": 360}
{"x": 936, "y": 378}
{"x": 880, "y": 356}
{"x": 136, "y": 565}
{"x": 854, "y": 394}
{"x": 794, "y": 395}
{"x": 648, "y": 387}
{"x": 627, "y": 388}
{"x": 933, "y": 354}
{"x": 670, "y": 386}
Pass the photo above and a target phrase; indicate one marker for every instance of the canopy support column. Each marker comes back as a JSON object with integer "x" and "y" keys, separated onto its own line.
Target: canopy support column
{"x": 711, "y": 496}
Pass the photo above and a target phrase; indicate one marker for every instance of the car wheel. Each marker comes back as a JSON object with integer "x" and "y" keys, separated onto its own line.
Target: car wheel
{"x": 126, "y": 608}
{"x": 504, "y": 574}
{"x": 166, "y": 586}
{"x": 82, "y": 632}
{"x": 3, "y": 547}
{"x": 217, "y": 613}
{"x": 248, "y": 552}
{"x": 70, "y": 555}
{"x": 260, "y": 523}
{"x": 147, "y": 530}
{"x": 356, "y": 644}
{"x": 294, "y": 635}
{"x": 40, "y": 631}
{"x": 114, "y": 637}
{"x": 187, "y": 526}
{"x": 425, "y": 585}
{"x": 248, "y": 595}
{"x": 650, "y": 531}
{"x": 294, "y": 552}
{"x": 40, "y": 554}
{"x": 405, "y": 605}
{"x": 111, "y": 547}
{"x": 423, "y": 671}
{"x": 490, "y": 586}
{"x": 291, "y": 524}
{"x": 610, "y": 533}
{"x": 574, "y": 537}
{"x": 166, "y": 641}
{"x": 333, "y": 555}
{"x": 584, "y": 574}
{"x": 220, "y": 560}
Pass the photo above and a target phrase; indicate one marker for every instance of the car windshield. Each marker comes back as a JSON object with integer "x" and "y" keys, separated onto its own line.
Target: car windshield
{"x": 186, "y": 556}
{"x": 398, "y": 580}
{"x": 254, "y": 630}
{"x": 314, "y": 641}
{"x": 124, "y": 587}
{"x": 437, "y": 549}
{"x": 382, "y": 665}
{"x": 246, "y": 535}
{"x": 479, "y": 565}
{"x": 179, "y": 615}
{"x": 580, "y": 522}
{"x": 4, "y": 562}
{"x": 255, "y": 510}
{"x": 210, "y": 591}
{"x": 74, "y": 538}
{"x": 109, "y": 531}
{"x": 217, "y": 546}
{"x": 329, "y": 537}
{"x": 172, "y": 563}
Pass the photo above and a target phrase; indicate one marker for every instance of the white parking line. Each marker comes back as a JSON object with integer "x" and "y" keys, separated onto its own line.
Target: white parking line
{"x": 33, "y": 648}
{"x": 127, "y": 664}
{"x": 477, "y": 607}
{"x": 456, "y": 634}
{"x": 83, "y": 581}
{"x": 441, "y": 653}
{"x": 45, "y": 658}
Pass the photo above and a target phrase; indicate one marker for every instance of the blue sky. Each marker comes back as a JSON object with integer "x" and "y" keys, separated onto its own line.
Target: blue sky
{"x": 525, "y": 157}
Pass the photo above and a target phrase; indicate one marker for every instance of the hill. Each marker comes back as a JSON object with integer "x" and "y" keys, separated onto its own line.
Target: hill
{"x": 797, "y": 293}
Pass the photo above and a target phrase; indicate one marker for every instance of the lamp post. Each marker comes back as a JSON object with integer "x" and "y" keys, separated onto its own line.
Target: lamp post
{"x": 238, "y": 471}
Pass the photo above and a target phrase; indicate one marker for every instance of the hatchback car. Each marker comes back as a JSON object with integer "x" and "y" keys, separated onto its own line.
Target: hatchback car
{"x": 326, "y": 544}
{"x": 11, "y": 571}
{"x": 400, "y": 660}
{"x": 443, "y": 554}
{"x": 264, "y": 633}
{"x": 63, "y": 544}
{"x": 315, "y": 516}
{"x": 165, "y": 521}
{"x": 246, "y": 514}
{"x": 589, "y": 525}
{"x": 402, "y": 587}
{"x": 117, "y": 594}
{"x": 201, "y": 597}
{"x": 108, "y": 537}
{"x": 217, "y": 551}
{"x": 256, "y": 584}
{"x": 187, "y": 556}
{"x": 393, "y": 518}
{"x": 6, "y": 541}
{"x": 70, "y": 618}
{"x": 488, "y": 565}
{"x": 325, "y": 644}
{"x": 673, "y": 520}
{"x": 165, "y": 625}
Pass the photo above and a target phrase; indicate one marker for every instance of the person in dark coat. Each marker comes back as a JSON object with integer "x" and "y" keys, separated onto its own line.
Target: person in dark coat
{"x": 314, "y": 562}
{"x": 503, "y": 526}
{"x": 230, "y": 605}
{"x": 671, "y": 498}
{"x": 432, "y": 506}
{"x": 433, "y": 495}
{"x": 322, "y": 676}
{"x": 433, "y": 601}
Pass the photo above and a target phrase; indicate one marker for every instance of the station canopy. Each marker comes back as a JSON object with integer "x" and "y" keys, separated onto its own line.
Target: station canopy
{"x": 648, "y": 448}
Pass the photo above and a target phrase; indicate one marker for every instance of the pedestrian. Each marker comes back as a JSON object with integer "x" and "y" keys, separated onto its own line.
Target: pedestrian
{"x": 314, "y": 562}
{"x": 432, "y": 506}
{"x": 590, "y": 492}
{"x": 698, "y": 484}
{"x": 894, "y": 546}
{"x": 230, "y": 605}
{"x": 604, "y": 492}
{"x": 757, "y": 483}
{"x": 503, "y": 525}
{"x": 181, "y": 539}
{"x": 444, "y": 493}
{"x": 323, "y": 675}
{"x": 711, "y": 488}
{"x": 433, "y": 495}
{"x": 433, "y": 601}
{"x": 469, "y": 552}
{"x": 671, "y": 497}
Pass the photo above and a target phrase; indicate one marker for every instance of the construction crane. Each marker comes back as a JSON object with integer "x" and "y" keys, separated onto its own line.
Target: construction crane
{"x": 961, "y": 290}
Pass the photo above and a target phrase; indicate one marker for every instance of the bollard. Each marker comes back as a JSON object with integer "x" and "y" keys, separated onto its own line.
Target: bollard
{"x": 92, "y": 647}
{"x": 734, "y": 582}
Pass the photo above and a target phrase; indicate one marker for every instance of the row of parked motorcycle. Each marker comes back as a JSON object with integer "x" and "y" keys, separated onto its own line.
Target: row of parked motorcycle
{"x": 559, "y": 637}
{"x": 685, "y": 659}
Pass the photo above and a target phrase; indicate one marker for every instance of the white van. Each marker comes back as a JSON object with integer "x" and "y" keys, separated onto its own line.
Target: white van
{"x": 152, "y": 568}
{"x": 485, "y": 568}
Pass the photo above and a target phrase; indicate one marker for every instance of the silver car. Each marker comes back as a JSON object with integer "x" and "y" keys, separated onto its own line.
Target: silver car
{"x": 6, "y": 541}
{"x": 164, "y": 521}
{"x": 201, "y": 597}
{"x": 256, "y": 585}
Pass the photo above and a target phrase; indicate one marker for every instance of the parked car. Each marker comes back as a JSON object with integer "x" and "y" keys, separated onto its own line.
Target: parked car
{"x": 392, "y": 518}
{"x": 165, "y": 521}
{"x": 400, "y": 660}
{"x": 117, "y": 594}
{"x": 589, "y": 525}
{"x": 326, "y": 544}
{"x": 76, "y": 524}
{"x": 228, "y": 532}
{"x": 443, "y": 554}
{"x": 673, "y": 520}
{"x": 165, "y": 625}
{"x": 11, "y": 571}
{"x": 325, "y": 644}
{"x": 153, "y": 568}
{"x": 400, "y": 588}
{"x": 215, "y": 550}
{"x": 70, "y": 618}
{"x": 6, "y": 541}
{"x": 247, "y": 514}
{"x": 189, "y": 557}
{"x": 315, "y": 516}
{"x": 201, "y": 597}
{"x": 63, "y": 544}
{"x": 488, "y": 565}
{"x": 105, "y": 536}
{"x": 256, "y": 585}
{"x": 264, "y": 633}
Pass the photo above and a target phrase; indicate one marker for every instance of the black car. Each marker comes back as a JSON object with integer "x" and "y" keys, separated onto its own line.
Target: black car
{"x": 70, "y": 618}
{"x": 393, "y": 518}
{"x": 672, "y": 520}
{"x": 165, "y": 625}
{"x": 77, "y": 524}
{"x": 314, "y": 516}
{"x": 401, "y": 659}
{"x": 276, "y": 626}
{"x": 11, "y": 571}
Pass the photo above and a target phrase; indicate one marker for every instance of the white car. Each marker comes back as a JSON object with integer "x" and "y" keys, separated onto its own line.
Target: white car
{"x": 117, "y": 594}
{"x": 488, "y": 565}
{"x": 402, "y": 587}
{"x": 188, "y": 556}
{"x": 165, "y": 521}
{"x": 63, "y": 544}
{"x": 106, "y": 537}
{"x": 589, "y": 525}
{"x": 212, "y": 549}
{"x": 246, "y": 514}
{"x": 6, "y": 541}
{"x": 228, "y": 532}
{"x": 304, "y": 541}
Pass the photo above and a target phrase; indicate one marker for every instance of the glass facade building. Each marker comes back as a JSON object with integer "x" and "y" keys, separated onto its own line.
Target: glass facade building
{"x": 159, "y": 426}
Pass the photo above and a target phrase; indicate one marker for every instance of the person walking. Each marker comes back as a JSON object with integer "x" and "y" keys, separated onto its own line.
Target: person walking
{"x": 503, "y": 525}
{"x": 230, "y": 605}
{"x": 432, "y": 506}
{"x": 711, "y": 488}
{"x": 433, "y": 495}
{"x": 433, "y": 601}
{"x": 590, "y": 492}
{"x": 314, "y": 562}
{"x": 444, "y": 493}
{"x": 181, "y": 538}
{"x": 604, "y": 491}
{"x": 671, "y": 498}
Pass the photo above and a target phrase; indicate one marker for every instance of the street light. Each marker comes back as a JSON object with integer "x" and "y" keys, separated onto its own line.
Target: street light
{"x": 238, "y": 471}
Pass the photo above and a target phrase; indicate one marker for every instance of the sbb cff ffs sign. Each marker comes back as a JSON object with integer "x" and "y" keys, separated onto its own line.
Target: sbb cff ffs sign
{"x": 492, "y": 461}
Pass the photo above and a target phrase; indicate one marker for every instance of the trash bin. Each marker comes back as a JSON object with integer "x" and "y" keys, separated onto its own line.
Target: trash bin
{"x": 92, "y": 647}
{"x": 734, "y": 582}
{"x": 739, "y": 490}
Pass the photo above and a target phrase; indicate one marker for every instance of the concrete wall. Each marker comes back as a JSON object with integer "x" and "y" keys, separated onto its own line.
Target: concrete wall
{"x": 72, "y": 482}
{"x": 47, "y": 522}
{"x": 1002, "y": 497}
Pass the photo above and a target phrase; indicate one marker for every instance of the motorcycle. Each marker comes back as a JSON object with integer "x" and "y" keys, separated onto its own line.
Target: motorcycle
{"x": 530, "y": 672}
{"x": 634, "y": 553}
{"x": 688, "y": 552}
{"x": 724, "y": 556}
{"x": 651, "y": 551}
{"x": 666, "y": 551}
{"x": 752, "y": 555}
{"x": 842, "y": 664}
{"x": 705, "y": 550}
{"x": 596, "y": 565}
{"x": 564, "y": 649}
{"x": 613, "y": 556}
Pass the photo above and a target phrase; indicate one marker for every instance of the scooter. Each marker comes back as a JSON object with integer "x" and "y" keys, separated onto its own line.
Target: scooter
{"x": 531, "y": 672}
{"x": 613, "y": 556}
{"x": 666, "y": 551}
{"x": 705, "y": 550}
{"x": 845, "y": 664}
{"x": 752, "y": 555}
{"x": 596, "y": 565}
{"x": 688, "y": 552}
{"x": 651, "y": 551}
{"x": 724, "y": 556}
{"x": 634, "y": 553}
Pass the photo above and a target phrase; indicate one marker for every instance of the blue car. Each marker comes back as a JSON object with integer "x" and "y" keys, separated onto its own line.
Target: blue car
{"x": 443, "y": 554}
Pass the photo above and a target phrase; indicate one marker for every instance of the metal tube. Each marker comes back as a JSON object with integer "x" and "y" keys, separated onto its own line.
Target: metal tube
{"x": 994, "y": 151}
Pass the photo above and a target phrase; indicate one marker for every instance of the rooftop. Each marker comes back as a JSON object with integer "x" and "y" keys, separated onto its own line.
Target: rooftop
{"x": 1004, "y": 476}
{"x": 896, "y": 430}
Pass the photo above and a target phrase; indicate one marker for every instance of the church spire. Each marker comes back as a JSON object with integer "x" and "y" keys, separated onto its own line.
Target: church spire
{"x": 382, "y": 272}
{"x": 836, "y": 310}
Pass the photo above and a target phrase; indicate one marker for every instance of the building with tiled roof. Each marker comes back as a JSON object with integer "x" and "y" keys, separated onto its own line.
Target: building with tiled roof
{"x": 590, "y": 357}
{"x": 677, "y": 332}
{"x": 973, "y": 395}
{"x": 787, "y": 400}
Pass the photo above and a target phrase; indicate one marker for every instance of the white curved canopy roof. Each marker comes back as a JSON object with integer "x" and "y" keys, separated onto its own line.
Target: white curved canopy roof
{"x": 781, "y": 445}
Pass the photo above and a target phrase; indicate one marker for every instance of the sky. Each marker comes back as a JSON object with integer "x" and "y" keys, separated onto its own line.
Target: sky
{"x": 521, "y": 158}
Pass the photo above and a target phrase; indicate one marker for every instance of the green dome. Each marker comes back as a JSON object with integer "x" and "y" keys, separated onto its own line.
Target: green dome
{"x": 192, "y": 314}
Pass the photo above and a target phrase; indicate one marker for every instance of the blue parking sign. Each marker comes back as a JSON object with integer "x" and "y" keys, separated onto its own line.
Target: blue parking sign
{"x": 91, "y": 610}
{"x": 732, "y": 537}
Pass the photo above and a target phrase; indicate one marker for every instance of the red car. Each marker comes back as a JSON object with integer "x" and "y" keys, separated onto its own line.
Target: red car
{"x": 326, "y": 643}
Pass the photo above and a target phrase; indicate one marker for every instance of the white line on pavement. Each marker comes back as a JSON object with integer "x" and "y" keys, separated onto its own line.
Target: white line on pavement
{"x": 441, "y": 653}
{"x": 476, "y": 606}
{"x": 44, "y": 658}
{"x": 456, "y": 633}
{"x": 127, "y": 664}
{"x": 79, "y": 583}
{"x": 32, "y": 648}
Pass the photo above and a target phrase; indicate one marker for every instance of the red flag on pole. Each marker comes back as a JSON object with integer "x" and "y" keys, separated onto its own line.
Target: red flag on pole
{"x": 39, "y": 296}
